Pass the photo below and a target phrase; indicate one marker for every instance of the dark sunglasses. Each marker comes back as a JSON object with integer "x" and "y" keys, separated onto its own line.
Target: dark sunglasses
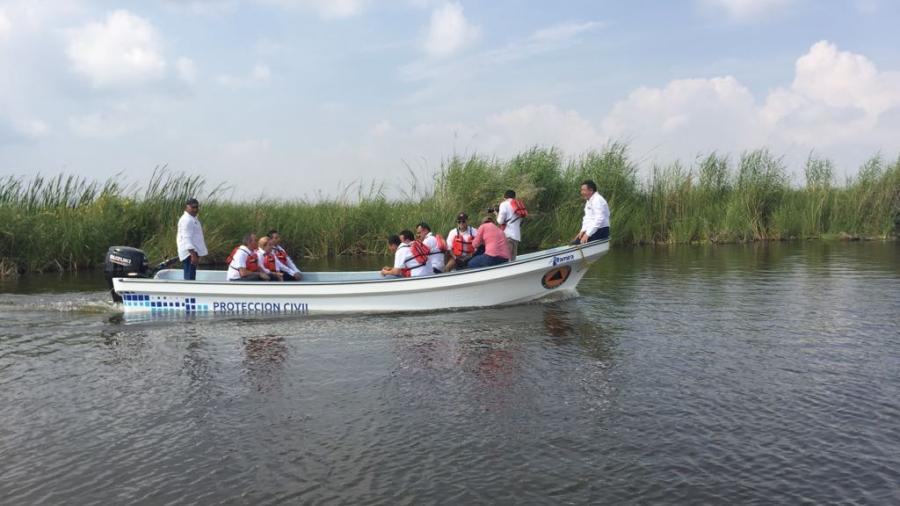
{"x": 460, "y": 221}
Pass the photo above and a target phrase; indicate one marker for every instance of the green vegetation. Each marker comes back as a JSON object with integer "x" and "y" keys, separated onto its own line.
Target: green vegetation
{"x": 67, "y": 223}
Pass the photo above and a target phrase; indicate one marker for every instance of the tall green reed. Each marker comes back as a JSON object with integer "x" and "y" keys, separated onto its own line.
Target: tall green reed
{"x": 67, "y": 222}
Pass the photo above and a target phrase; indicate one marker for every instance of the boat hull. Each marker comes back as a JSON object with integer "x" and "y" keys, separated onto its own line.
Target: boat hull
{"x": 530, "y": 277}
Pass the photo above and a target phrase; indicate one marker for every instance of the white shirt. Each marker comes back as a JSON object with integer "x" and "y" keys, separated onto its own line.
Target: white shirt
{"x": 238, "y": 262}
{"x": 290, "y": 267}
{"x": 468, "y": 236}
{"x": 436, "y": 257}
{"x": 190, "y": 236}
{"x": 261, "y": 257}
{"x": 403, "y": 258}
{"x": 596, "y": 214}
{"x": 506, "y": 215}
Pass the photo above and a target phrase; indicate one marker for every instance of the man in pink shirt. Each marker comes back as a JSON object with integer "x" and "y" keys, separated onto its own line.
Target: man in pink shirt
{"x": 496, "y": 249}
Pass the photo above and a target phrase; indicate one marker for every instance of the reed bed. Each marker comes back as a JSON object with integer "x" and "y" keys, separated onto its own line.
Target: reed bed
{"x": 67, "y": 223}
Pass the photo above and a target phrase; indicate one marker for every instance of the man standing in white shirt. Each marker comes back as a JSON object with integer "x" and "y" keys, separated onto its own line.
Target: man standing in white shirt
{"x": 189, "y": 239}
{"x": 595, "y": 225}
{"x": 510, "y": 222}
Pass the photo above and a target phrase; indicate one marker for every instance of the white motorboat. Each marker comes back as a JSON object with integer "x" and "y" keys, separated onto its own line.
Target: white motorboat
{"x": 531, "y": 277}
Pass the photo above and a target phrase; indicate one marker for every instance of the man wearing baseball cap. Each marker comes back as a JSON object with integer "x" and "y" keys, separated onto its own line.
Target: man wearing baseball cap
{"x": 460, "y": 242}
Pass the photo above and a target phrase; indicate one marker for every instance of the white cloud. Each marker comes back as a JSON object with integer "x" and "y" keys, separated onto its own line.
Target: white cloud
{"x": 33, "y": 128}
{"x": 551, "y": 38}
{"x": 247, "y": 148}
{"x": 111, "y": 124}
{"x": 5, "y": 25}
{"x": 544, "y": 125}
{"x": 449, "y": 31}
{"x": 202, "y": 7}
{"x": 838, "y": 104}
{"x": 187, "y": 70}
{"x": 325, "y": 8}
{"x": 502, "y": 134}
{"x": 564, "y": 31}
{"x": 382, "y": 128}
{"x": 718, "y": 112}
{"x": 836, "y": 96}
{"x": 122, "y": 50}
{"x": 259, "y": 74}
{"x": 748, "y": 10}
{"x": 543, "y": 40}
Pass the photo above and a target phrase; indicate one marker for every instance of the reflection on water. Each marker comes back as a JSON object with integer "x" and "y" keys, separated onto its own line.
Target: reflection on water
{"x": 744, "y": 374}
{"x": 263, "y": 357}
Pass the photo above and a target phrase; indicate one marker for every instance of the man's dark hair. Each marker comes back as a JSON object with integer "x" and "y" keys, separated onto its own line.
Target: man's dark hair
{"x": 394, "y": 240}
{"x": 248, "y": 238}
{"x": 510, "y": 194}
{"x": 191, "y": 202}
{"x": 590, "y": 184}
{"x": 424, "y": 226}
{"x": 271, "y": 233}
{"x": 406, "y": 235}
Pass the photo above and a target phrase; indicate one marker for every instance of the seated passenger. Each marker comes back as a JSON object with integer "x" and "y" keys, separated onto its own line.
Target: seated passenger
{"x": 496, "y": 249}
{"x": 460, "y": 241}
{"x": 268, "y": 263}
{"x": 292, "y": 272}
{"x": 244, "y": 264}
{"x": 410, "y": 257}
{"x": 437, "y": 246}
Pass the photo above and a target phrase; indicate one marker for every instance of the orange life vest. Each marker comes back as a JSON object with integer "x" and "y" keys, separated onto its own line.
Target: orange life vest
{"x": 461, "y": 246}
{"x": 441, "y": 243}
{"x": 281, "y": 255}
{"x": 252, "y": 261}
{"x": 518, "y": 209}
{"x": 420, "y": 254}
{"x": 269, "y": 261}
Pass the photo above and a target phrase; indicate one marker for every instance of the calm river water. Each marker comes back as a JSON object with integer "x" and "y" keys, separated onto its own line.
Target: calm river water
{"x": 731, "y": 374}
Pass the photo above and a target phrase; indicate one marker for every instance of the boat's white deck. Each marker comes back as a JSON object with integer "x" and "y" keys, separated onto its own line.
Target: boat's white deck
{"x": 329, "y": 277}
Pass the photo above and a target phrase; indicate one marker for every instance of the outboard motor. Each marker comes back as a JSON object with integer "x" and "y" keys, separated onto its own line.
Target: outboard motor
{"x": 124, "y": 262}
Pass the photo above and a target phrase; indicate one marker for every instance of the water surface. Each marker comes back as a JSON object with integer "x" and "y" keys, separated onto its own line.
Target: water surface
{"x": 743, "y": 374}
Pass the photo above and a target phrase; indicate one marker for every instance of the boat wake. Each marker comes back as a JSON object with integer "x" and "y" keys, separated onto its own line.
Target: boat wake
{"x": 76, "y": 302}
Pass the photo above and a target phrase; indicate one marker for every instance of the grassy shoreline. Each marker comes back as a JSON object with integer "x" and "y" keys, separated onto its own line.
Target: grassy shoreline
{"x": 67, "y": 223}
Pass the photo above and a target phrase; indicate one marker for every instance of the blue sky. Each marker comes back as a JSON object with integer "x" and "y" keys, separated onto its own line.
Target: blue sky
{"x": 294, "y": 98}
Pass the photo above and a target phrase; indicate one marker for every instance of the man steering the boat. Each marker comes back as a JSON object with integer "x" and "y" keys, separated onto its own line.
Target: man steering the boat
{"x": 595, "y": 224}
{"x": 189, "y": 239}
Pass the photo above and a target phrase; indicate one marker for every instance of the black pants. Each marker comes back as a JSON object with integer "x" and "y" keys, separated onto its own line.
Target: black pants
{"x": 601, "y": 233}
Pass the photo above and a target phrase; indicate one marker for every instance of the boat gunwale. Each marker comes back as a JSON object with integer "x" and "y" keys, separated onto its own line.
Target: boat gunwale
{"x": 443, "y": 275}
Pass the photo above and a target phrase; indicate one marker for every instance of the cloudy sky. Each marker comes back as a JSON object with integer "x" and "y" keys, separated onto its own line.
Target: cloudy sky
{"x": 292, "y": 98}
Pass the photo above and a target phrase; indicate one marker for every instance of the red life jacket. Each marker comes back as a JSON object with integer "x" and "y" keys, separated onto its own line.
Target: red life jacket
{"x": 281, "y": 255}
{"x": 441, "y": 243}
{"x": 231, "y": 256}
{"x": 518, "y": 207}
{"x": 460, "y": 245}
{"x": 420, "y": 254}
{"x": 252, "y": 261}
{"x": 269, "y": 261}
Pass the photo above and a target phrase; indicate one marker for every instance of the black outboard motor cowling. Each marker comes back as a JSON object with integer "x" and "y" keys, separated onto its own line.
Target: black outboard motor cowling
{"x": 124, "y": 262}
